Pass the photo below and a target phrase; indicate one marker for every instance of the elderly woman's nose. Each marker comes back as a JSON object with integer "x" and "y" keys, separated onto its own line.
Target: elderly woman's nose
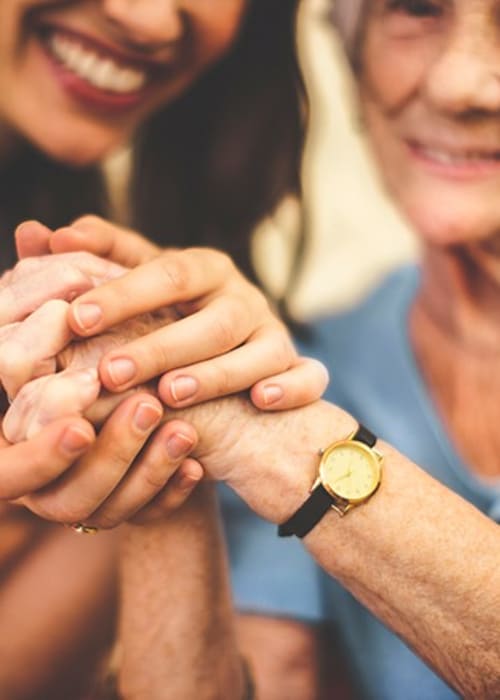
{"x": 466, "y": 75}
{"x": 149, "y": 24}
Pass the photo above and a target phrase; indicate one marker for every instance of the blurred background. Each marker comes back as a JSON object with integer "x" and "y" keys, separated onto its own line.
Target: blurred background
{"x": 356, "y": 235}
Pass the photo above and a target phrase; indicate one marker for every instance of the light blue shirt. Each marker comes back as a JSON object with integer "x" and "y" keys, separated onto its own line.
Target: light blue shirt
{"x": 374, "y": 377}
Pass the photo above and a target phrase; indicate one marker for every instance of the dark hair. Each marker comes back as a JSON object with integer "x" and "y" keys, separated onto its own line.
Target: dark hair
{"x": 212, "y": 164}
{"x": 208, "y": 166}
{"x": 34, "y": 187}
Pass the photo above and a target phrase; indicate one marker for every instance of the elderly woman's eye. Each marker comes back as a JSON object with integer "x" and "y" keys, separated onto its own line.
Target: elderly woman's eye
{"x": 416, "y": 8}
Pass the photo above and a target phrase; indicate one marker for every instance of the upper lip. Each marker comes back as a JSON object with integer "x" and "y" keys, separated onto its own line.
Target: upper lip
{"x": 121, "y": 55}
{"x": 455, "y": 149}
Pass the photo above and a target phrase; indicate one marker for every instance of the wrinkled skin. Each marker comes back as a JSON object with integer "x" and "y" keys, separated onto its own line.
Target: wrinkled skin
{"x": 43, "y": 368}
{"x": 74, "y": 387}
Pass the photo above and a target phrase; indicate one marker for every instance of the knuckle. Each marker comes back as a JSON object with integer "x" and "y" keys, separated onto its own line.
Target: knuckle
{"x": 219, "y": 381}
{"x": 175, "y": 272}
{"x": 283, "y": 350}
{"x": 50, "y": 391}
{"x": 11, "y": 361}
{"x": 122, "y": 453}
{"x": 55, "y": 307}
{"x": 73, "y": 281}
{"x": 153, "y": 477}
{"x": 29, "y": 393}
{"x": 152, "y": 357}
{"x": 221, "y": 260}
{"x": 224, "y": 331}
{"x": 25, "y": 267}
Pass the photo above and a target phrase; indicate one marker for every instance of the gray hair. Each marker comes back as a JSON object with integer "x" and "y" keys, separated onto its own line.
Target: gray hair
{"x": 346, "y": 15}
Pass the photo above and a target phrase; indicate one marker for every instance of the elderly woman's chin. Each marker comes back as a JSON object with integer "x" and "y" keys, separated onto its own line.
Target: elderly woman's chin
{"x": 444, "y": 219}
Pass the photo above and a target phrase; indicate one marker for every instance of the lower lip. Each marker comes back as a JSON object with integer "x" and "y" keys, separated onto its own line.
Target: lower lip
{"x": 466, "y": 170}
{"x": 90, "y": 96}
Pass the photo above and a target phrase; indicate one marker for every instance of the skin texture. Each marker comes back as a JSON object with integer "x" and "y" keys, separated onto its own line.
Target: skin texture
{"x": 181, "y": 39}
{"x": 271, "y": 461}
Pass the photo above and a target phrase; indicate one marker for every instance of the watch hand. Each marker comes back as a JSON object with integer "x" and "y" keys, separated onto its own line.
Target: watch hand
{"x": 344, "y": 476}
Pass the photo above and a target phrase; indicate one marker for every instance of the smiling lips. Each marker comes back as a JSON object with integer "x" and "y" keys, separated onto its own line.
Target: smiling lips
{"x": 103, "y": 73}
{"x": 458, "y": 163}
{"x": 100, "y": 77}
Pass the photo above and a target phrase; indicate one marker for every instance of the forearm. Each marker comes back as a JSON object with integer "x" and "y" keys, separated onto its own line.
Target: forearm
{"x": 177, "y": 632}
{"x": 422, "y": 559}
{"x": 427, "y": 564}
{"x": 56, "y": 615}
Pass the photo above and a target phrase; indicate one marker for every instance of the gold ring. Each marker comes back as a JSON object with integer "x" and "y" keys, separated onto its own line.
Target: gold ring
{"x": 83, "y": 529}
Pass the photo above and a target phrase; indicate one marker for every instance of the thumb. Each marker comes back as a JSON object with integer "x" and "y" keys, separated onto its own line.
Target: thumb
{"x": 32, "y": 239}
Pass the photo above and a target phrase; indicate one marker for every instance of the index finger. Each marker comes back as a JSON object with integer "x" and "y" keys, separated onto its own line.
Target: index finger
{"x": 172, "y": 278}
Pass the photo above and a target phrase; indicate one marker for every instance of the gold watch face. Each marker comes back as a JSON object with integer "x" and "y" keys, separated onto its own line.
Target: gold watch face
{"x": 351, "y": 470}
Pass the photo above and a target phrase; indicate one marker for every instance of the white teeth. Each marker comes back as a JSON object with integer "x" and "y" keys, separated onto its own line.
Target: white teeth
{"x": 102, "y": 73}
{"x": 447, "y": 158}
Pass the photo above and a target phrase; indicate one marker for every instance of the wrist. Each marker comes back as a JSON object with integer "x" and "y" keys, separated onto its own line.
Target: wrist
{"x": 284, "y": 465}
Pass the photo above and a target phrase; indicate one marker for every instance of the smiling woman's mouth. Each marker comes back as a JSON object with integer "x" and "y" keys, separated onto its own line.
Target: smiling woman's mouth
{"x": 100, "y": 77}
{"x": 459, "y": 163}
{"x": 101, "y": 72}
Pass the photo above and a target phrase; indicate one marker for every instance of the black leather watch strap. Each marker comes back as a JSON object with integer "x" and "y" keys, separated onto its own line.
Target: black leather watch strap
{"x": 313, "y": 509}
{"x": 362, "y": 434}
{"x": 308, "y": 515}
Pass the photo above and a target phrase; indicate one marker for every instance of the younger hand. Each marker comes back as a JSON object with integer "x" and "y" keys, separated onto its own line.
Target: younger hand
{"x": 227, "y": 340}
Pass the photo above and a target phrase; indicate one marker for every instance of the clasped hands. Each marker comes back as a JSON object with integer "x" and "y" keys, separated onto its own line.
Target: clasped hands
{"x": 101, "y": 329}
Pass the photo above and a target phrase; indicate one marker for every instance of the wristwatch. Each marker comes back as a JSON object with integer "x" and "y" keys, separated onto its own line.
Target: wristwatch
{"x": 350, "y": 472}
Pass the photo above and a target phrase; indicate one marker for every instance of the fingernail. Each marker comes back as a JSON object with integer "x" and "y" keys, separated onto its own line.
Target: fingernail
{"x": 121, "y": 370}
{"x": 179, "y": 445}
{"x": 74, "y": 440}
{"x": 272, "y": 394}
{"x": 183, "y": 388}
{"x": 146, "y": 416}
{"x": 188, "y": 481}
{"x": 87, "y": 315}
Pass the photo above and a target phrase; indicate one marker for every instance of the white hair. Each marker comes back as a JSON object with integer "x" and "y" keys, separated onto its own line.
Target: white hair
{"x": 347, "y": 17}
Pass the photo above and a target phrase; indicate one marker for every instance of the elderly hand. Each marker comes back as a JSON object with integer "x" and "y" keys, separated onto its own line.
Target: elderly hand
{"x": 269, "y": 459}
{"x": 126, "y": 485}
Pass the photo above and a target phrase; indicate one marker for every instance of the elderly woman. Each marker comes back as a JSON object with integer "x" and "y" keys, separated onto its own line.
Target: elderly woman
{"x": 417, "y": 363}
